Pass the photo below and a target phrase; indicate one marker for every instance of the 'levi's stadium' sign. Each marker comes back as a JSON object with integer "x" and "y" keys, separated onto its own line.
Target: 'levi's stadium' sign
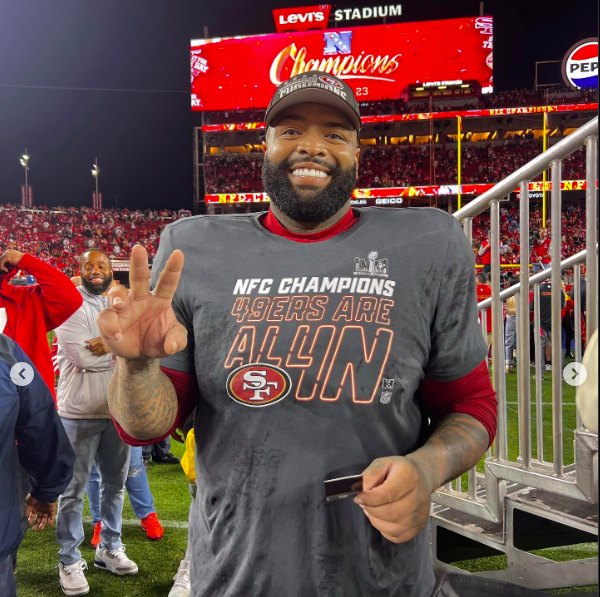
{"x": 377, "y": 61}
{"x": 302, "y": 18}
{"x": 368, "y": 12}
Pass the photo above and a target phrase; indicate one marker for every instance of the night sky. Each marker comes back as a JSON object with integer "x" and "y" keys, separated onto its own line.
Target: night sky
{"x": 81, "y": 79}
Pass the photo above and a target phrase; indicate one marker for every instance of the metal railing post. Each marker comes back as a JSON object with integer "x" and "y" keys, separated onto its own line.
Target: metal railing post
{"x": 591, "y": 259}
{"x": 523, "y": 330}
{"x": 556, "y": 341}
{"x": 539, "y": 369}
{"x": 577, "y": 321}
{"x": 483, "y": 324}
{"x": 468, "y": 229}
{"x": 519, "y": 381}
{"x": 501, "y": 443}
{"x": 473, "y": 483}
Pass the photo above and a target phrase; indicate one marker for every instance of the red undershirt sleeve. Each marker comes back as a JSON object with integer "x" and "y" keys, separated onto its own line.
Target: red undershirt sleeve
{"x": 471, "y": 395}
{"x": 186, "y": 388}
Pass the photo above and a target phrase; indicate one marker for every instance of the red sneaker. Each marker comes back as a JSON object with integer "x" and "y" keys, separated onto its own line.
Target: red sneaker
{"x": 152, "y": 527}
{"x": 96, "y": 537}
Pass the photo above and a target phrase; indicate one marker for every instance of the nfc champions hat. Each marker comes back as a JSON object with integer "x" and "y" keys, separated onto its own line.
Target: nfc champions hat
{"x": 318, "y": 87}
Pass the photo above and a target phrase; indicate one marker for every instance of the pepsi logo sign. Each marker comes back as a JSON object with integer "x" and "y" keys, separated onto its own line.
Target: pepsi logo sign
{"x": 580, "y": 64}
{"x": 258, "y": 384}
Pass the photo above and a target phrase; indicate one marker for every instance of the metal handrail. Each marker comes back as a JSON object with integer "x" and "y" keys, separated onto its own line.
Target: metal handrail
{"x": 567, "y": 263}
{"x": 526, "y": 470}
{"x": 529, "y": 171}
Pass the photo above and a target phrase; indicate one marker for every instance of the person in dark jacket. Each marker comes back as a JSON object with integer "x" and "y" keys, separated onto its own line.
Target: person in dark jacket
{"x": 32, "y": 436}
{"x": 546, "y": 323}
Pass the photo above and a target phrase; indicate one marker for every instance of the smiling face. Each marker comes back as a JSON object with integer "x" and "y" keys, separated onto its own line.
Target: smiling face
{"x": 311, "y": 162}
{"x": 96, "y": 272}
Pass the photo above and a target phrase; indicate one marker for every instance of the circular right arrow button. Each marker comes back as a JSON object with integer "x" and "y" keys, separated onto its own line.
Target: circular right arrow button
{"x": 574, "y": 374}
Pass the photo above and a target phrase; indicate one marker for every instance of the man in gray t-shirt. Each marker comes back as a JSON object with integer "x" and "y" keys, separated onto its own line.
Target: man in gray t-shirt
{"x": 307, "y": 358}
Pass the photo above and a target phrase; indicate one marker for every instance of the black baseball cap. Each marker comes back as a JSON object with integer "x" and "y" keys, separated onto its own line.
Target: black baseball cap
{"x": 318, "y": 87}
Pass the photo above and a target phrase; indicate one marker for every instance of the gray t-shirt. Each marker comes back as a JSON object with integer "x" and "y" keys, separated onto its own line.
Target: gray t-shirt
{"x": 308, "y": 358}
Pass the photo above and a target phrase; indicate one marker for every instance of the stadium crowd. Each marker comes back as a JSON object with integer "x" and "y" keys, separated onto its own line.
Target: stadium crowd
{"x": 402, "y": 165}
{"x": 572, "y": 226}
{"x": 503, "y": 99}
{"x": 59, "y": 235}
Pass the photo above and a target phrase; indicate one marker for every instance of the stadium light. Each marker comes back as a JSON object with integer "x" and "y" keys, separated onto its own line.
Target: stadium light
{"x": 96, "y": 175}
{"x": 25, "y": 163}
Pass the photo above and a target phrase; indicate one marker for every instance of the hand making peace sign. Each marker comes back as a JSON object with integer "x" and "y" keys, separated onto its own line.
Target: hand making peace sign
{"x": 139, "y": 323}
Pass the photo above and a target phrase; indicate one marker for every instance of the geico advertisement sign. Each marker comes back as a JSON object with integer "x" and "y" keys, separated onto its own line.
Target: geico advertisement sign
{"x": 378, "y": 201}
{"x": 375, "y": 12}
{"x": 377, "y": 61}
{"x": 302, "y": 18}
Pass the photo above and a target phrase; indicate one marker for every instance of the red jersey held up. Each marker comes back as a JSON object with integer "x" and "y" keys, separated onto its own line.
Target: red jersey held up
{"x": 33, "y": 311}
{"x": 485, "y": 292}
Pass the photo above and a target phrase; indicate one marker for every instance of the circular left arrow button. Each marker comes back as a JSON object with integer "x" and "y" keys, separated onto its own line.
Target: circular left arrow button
{"x": 22, "y": 374}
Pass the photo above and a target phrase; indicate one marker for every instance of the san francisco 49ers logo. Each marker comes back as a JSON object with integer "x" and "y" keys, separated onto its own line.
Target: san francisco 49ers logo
{"x": 330, "y": 81}
{"x": 258, "y": 384}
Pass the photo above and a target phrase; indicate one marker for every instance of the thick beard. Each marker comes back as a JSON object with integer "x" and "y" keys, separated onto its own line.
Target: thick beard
{"x": 316, "y": 208}
{"x": 97, "y": 289}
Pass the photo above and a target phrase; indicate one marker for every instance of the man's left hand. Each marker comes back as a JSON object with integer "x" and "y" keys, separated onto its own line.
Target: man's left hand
{"x": 10, "y": 258}
{"x": 97, "y": 347}
{"x": 396, "y": 497}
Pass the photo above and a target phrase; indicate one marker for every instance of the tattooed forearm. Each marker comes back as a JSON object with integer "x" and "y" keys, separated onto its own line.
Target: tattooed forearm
{"x": 142, "y": 398}
{"x": 455, "y": 446}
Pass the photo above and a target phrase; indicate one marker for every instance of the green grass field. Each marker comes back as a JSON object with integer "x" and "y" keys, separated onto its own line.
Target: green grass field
{"x": 37, "y": 572}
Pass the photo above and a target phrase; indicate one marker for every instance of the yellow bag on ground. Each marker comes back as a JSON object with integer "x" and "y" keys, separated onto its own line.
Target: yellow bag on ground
{"x": 188, "y": 458}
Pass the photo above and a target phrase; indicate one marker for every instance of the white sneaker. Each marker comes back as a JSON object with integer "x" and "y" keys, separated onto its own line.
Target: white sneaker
{"x": 72, "y": 578}
{"x": 548, "y": 367}
{"x": 181, "y": 586}
{"x": 115, "y": 561}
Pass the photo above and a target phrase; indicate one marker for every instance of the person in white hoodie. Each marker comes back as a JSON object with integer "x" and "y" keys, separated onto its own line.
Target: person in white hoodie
{"x": 86, "y": 367}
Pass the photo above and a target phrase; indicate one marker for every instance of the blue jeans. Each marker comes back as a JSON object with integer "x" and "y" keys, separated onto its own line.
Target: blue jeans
{"x": 7, "y": 577}
{"x": 92, "y": 439}
{"x": 136, "y": 485}
{"x": 538, "y": 267}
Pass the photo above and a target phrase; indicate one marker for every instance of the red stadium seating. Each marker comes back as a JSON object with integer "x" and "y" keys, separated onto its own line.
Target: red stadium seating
{"x": 401, "y": 165}
{"x": 60, "y": 235}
